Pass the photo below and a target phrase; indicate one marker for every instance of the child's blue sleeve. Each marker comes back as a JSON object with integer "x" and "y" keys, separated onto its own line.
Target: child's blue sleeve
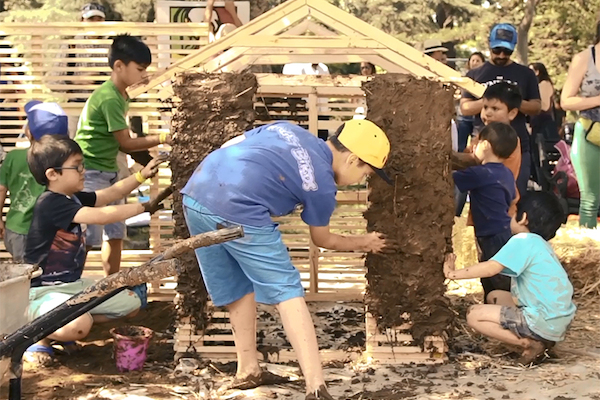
{"x": 515, "y": 256}
{"x": 466, "y": 179}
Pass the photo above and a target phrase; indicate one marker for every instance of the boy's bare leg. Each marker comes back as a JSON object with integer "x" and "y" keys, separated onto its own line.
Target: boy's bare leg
{"x": 242, "y": 314}
{"x": 111, "y": 256}
{"x": 485, "y": 319}
{"x": 77, "y": 329}
{"x": 501, "y": 298}
{"x": 300, "y": 331}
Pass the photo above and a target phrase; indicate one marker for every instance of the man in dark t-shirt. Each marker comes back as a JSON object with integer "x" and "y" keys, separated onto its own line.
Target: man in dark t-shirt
{"x": 500, "y": 67}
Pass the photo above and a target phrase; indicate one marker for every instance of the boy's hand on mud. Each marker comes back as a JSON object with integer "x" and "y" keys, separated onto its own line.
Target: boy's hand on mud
{"x": 449, "y": 264}
{"x": 151, "y": 169}
{"x": 152, "y": 206}
{"x": 376, "y": 242}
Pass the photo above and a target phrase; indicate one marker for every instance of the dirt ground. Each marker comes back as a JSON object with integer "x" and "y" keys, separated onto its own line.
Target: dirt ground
{"x": 477, "y": 368}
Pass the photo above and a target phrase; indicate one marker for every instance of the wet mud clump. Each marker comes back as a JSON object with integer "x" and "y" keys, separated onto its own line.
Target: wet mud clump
{"x": 213, "y": 109}
{"x": 418, "y": 210}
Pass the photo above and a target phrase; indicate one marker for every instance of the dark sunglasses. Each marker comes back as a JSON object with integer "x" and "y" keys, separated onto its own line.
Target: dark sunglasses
{"x": 499, "y": 50}
{"x": 78, "y": 168}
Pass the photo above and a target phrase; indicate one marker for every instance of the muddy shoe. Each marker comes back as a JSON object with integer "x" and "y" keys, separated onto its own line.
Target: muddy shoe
{"x": 534, "y": 350}
{"x": 38, "y": 355}
{"x": 319, "y": 394}
{"x": 254, "y": 381}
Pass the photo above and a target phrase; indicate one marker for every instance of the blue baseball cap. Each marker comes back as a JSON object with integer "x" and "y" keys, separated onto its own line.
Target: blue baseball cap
{"x": 46, "y": 119}
{"x": 503, "y": 35}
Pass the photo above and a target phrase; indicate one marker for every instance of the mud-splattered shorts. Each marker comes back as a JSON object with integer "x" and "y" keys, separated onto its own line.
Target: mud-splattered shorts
{"x": 43, "y": 299}
{"x": 258, "y": 263}
{"x": 512, "y": 318}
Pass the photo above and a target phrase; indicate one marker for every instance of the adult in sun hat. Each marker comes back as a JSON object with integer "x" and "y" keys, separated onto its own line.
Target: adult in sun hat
{"x": 434, "y": 49}
{"x": 500, "y": 67}
{"x": 16, "y": 178}
{"x": 270, "y": 171}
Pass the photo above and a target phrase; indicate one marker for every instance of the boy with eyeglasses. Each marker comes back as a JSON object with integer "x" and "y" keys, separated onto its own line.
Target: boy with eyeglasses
{"x": 500, "y": 67}
{"x": 56, "y": 238}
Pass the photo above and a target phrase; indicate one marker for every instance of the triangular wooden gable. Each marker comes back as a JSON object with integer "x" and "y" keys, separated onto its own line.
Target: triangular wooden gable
{"x": 280, "y": 36}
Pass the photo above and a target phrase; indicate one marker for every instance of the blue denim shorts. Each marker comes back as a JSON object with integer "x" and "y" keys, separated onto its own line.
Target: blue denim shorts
{"x": 512, "y": 319}
{"x": 258, "y": 263}
{"x": 95, "y": 234}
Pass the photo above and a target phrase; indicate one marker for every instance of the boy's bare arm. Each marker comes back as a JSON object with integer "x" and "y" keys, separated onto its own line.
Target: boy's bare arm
{"x": 122, "y": 188}
{"x": 129, "y": 144}
{"x": 371, "y": 242}
{"x": 3, "y": 192}
{"x": 469, "y": 107}
{"x": 484, "y": 269}
{"x": 108, "y": 214}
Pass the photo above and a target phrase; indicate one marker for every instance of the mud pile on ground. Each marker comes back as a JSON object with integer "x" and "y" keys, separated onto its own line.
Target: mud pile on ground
{"x": 418, "y": 211}
{"x": 213, "y": 109}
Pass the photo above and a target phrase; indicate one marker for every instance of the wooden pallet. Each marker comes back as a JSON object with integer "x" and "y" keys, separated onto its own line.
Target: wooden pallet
{"x": 394, "y": 346}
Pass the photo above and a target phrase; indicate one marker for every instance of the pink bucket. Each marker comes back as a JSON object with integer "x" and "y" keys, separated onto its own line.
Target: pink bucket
{"x": 131, "y": 347}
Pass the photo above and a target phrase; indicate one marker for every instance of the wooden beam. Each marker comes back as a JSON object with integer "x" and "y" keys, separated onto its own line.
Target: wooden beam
{"x": 273, "y": 51}
{"x": 308, "y": 26}
{"x": 337, "y": 26}
{"x": 223, "y": 59}
{"x": 322, "y": 7}
{"x": 268, "y": 19}
{"x": 336, "y": 42}
{"x": 310, "y": 80}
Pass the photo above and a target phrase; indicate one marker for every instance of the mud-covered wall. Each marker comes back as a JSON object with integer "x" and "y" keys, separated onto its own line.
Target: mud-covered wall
{"x": 213, "y": 109}
{"x": 418, "y": 211}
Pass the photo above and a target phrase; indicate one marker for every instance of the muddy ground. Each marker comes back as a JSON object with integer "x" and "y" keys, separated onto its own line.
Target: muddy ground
{"x": 417, "y": 211}
{"x": 477, "y": 369}
{"x": 213, "y": 109}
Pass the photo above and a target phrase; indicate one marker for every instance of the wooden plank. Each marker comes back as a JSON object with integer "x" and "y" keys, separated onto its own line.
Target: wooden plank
{"x": 109, "y": 28}
{"x": 310, "y": 42}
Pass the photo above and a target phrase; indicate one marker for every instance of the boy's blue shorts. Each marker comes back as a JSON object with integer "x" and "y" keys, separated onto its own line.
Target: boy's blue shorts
{"x": 259, "y": 262}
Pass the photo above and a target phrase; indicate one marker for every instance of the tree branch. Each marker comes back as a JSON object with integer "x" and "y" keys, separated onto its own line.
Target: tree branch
{"x": 523, "y": 31}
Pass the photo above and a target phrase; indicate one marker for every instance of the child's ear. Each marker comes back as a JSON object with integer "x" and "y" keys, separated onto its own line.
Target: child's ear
{"x": 352, "y": 159}
{"x": 51, "y": 174}
{"x": 523, "y": 221}
{"x": 512, "y": 114}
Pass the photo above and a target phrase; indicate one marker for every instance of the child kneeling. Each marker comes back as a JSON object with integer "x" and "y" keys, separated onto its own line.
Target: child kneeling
{"x": 539, "y": 308}
{"x": 56, "y": 239}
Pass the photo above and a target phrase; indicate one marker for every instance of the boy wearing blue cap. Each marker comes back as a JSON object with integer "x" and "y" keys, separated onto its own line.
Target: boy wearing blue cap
{"x": 500, "y": 67}
{"x": 270, "y": 171}
{"x": 16, "y": 178}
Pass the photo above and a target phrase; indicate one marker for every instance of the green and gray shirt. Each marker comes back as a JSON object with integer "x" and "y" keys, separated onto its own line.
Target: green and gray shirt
{"x": 24, "y": 190}
{"x": 104, "y": 113}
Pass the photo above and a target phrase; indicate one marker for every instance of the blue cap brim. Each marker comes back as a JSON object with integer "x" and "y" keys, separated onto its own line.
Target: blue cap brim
{"x": 31, "y": 104}
{"x": 500, "y": 43}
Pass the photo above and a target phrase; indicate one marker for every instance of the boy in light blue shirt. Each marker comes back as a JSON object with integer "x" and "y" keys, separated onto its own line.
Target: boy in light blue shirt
{"x": 539, "y": 307}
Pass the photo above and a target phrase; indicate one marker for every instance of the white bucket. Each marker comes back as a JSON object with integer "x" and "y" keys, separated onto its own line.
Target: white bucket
{"x": 14, "y": 301}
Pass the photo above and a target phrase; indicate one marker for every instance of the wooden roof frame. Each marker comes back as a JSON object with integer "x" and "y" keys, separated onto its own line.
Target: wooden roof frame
{"x": 339, "y": 37}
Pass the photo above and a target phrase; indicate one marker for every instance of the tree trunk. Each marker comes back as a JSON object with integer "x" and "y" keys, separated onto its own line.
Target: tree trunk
{"x": 523, "y": 31}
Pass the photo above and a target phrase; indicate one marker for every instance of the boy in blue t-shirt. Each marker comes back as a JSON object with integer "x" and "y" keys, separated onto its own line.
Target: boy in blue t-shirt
{"x": 492, "y": 189}
{"x": 270, "y": 171}
{"x": 539, "y": 307}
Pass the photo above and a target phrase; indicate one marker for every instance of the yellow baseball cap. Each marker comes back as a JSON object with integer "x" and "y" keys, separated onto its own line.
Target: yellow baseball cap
{"x": 368, "y": 142}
